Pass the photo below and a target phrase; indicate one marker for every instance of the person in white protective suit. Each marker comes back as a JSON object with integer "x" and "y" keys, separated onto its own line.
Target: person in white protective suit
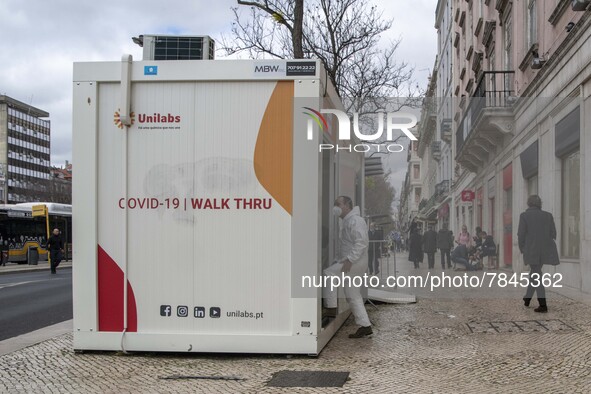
{"x": 352, "y": 261}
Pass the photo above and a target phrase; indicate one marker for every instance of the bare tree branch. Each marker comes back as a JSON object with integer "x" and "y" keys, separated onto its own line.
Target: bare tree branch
{"x": 345, "y": 35}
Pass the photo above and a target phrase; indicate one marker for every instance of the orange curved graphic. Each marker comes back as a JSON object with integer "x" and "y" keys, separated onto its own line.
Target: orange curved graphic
{"x": 273, "y": 164}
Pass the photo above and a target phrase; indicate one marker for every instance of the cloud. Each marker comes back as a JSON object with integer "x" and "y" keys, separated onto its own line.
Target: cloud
{"x": 42, "y": 39}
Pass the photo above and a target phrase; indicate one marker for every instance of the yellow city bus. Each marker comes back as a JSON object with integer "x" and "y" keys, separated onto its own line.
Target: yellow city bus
{"x": 23, "y": 237}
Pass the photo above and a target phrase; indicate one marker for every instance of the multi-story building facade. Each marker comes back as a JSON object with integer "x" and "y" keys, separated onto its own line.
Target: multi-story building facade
{"x": 513, "y": 83}
{"x": 429, "y": 151}
{"x": 24, "y": 152}
{"x": 60, "y": 184}
{"x": 435, "y": 129}
{"x": 522, "y": 95}
{"x": 411, "y": 193}
{"x": 444, "y": 105}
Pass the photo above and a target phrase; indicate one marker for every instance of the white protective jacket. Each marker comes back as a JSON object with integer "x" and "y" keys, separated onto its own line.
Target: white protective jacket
{"x": 354, "y": 240}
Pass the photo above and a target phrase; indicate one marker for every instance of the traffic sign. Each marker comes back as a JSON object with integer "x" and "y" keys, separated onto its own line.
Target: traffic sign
{"x": 39, "y": 210}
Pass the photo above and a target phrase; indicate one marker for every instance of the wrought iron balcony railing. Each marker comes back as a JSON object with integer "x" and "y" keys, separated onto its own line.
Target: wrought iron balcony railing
{"x": 494, "y": 90}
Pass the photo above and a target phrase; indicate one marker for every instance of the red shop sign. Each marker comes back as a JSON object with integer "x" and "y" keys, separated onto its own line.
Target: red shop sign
{"x": 468, "y": 196}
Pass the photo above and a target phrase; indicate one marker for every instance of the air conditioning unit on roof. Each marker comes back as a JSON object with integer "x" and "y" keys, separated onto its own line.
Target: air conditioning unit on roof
{"x": 170, "y": 47}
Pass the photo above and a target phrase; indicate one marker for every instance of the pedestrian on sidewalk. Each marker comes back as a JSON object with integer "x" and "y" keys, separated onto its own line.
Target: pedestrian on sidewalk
{"x": 536, "y": 235}
{"x": 444, "y": 244}
{"x": 477, "y": 241}
{"x": 461, "y": 256}
{"x": 4, "y": 249}
{"x": 464, "y": 238}
{"x": 352, "y": 261}
{"x": 430, "y": 245}
{"x": 374, "y": 250}
{"x": 55, "y": 246}
{"x": 489, "y": 249}
{"x": 415, "y": 247}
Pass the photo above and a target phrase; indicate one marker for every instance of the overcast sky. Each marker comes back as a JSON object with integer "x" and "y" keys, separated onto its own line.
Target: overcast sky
{"x": 40, "y": 39}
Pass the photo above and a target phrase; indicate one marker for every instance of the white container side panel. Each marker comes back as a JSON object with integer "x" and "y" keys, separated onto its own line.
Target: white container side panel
{"x": 110, "y": 174}
{"x": 244, "y": 251}
{"x": 84, "y": 206}
{"x": 160, "y": 171}
{"x": 201, "y": 243}
{"x": 307, "y": 218}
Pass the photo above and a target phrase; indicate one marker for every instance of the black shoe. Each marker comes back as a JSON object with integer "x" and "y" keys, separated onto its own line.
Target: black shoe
{"x": 526, "y": 301}
{"x": 361, "y": 332}
{"x": 541, "y": 309}
{"x": 53, "y": 272}
{"x": 329, "y": 312}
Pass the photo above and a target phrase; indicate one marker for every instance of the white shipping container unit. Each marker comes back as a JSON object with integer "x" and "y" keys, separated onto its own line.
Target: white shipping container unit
{"x": 200, "y": 202}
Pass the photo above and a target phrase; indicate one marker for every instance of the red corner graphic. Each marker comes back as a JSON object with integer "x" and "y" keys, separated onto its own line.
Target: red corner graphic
{"x": 110, "y": 296}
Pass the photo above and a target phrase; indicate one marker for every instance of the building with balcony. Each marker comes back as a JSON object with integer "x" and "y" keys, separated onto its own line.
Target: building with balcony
{"x": 411, "y": 192}
{"x": 442, "y": 145}
{"x": 24, "y": 152}
{"x": 430, "y": 153}
{"x": 522, "y": 100}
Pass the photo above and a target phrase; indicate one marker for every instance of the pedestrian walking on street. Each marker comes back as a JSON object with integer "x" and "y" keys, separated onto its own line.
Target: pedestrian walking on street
{"x": 4, "y": 248}
{"x": 536, "y": 235}
{"x": 352, "y": 261}
{"x": 55, "y": 245}
{"x": 444, "y": 244}
{"x": 415, "y": 247}
{"x": 430, "y": 246}
{"x": 374, "y": 250}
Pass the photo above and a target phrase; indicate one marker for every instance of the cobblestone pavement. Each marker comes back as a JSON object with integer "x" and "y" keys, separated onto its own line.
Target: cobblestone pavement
{"x": 442, "y": 345}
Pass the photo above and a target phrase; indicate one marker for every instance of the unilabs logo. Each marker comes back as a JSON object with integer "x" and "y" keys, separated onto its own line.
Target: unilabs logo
{"x": 159, "y": 118}
{"x": 344, "y": 132}
{"x": 117, "y": 119}
{"x": 155, "y": 121}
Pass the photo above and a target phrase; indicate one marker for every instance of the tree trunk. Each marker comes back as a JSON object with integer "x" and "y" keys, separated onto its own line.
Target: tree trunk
{"x": 297, "y": 36}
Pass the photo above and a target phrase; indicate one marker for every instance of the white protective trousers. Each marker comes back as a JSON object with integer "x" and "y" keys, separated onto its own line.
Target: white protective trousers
{"x": 353, "y": 244}
{"x": 352, "y": 293}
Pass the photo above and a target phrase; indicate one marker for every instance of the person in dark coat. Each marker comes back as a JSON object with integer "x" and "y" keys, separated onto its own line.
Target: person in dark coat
{"x": 413, "y": 227}
{"x": 374, "y": 252}
{"x": 488, "y": 247}
{"x": 460, "y": 256}
{"x": 415, "y": 247}
{"x": 430, "y": 246}
{"x": 55, "y": 245}
{"x": 536, "y": 235}
{"x": 445, "y": 242}
{"x": 477, "y": 240}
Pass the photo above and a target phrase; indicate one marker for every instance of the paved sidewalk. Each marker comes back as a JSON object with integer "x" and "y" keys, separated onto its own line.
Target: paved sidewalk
{"x": 441, "y": 345}
{"x": 43, "y": 265}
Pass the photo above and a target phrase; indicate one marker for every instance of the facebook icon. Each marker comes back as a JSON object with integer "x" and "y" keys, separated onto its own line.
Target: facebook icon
{"x": 165, "y": 310}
